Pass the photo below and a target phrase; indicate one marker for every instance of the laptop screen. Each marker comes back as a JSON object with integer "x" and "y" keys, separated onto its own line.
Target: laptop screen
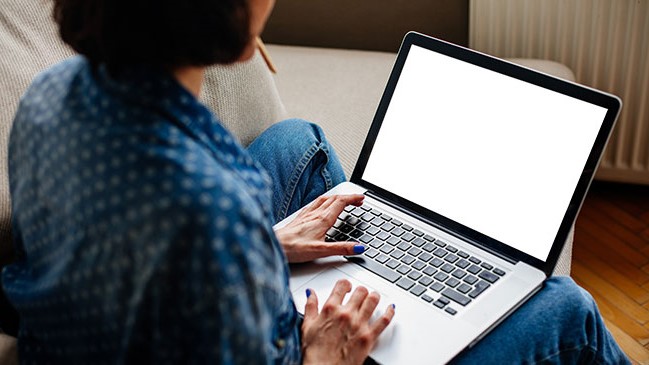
{"x": 488, "y": 151}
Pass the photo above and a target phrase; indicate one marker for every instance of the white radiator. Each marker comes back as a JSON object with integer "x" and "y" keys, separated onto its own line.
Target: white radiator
{"x": 604, "y": 42}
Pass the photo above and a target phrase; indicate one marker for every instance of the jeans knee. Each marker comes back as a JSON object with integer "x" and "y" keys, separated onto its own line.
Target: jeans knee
{"x": 572, "y": 298}
{"x": 300, "y": 130}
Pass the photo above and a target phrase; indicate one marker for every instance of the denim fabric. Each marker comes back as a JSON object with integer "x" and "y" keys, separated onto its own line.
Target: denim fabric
{"x": 301, "y": 162}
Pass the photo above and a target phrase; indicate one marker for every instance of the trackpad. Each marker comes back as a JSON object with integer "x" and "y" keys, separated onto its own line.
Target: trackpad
{"x": 324, "y": 282}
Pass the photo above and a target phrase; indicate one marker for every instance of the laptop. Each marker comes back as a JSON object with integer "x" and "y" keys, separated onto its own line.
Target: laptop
{"x": 473, "y": 171}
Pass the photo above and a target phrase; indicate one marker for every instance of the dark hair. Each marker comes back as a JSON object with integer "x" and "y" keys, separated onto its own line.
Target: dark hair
{"x": 161, "y": 33}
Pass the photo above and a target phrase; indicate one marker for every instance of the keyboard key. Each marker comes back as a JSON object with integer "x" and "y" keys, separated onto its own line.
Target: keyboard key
{"x": 464, "y": 288}
{"x": 418, "y": 242}
{"x": 499, "y": 272}
{"x": 375, "y": 212}
{"x": 473, "y": 269}
{"x": 397, "y": 231}
{"x": 427, "y": 298}
{"x": 436, "y": 262}
{"x": 429, "y": 238}
{"x": 429, "y": 247}
{"x": 408, "y": 260}
{"x": 407, "y": 237}
{"x": 440, "y": 243}
{"x": 425, "y": 257}
{"x": 475, "y": 260}
{"x": 404, "y": 269}
{"x": 440, "y": 252}
{"x": 451, "y": 258}
{"x": 479, "y": 289}
{"x": 414, "y": 251}
{"x": 396, "y": 222}
{"x": 372, "y": 230}
{"x": 366, "y": 208}
{"x": 353, "y": 221}
{"x": 425, "y": 281}
{"x": 376, "y": 243}
{"x": 403, "y": 246}
{"x": 406, "y": 227}
{"x": 448, "y": 268}
{"x": 459, "y": 273}
{"x": 463, "y": 254}
{"x": 450, "y": 311}
{"x": 456, "y": 297}
{"x": 439, "y": 304}
{"x": 363, "y": 226}
{"x": 418, "y": 290}
{"x": 378, "y": 222}
{"x": 349, "y": 208}
{"x": 356, "y": 234}
{"x": 371, "y": 253}
{"x": 397, "y": 254}
{"x": 392, "y": 264}
{"x": 383, "y": 236}
{"x": 386, "y": 217}
{"x": 387, "y": 227}
{"x": 452, "y": 282}
{"x": 387, "y": 248}
{"x": 366, "y": 238}
{"x": 418, "y": 233}
{"x": 393, "y": 241}
{"x": 462, "y": 264}
{"x": 414, "y": 275}
{"x": 341, "y": 237}
{"x": 367, "y": 217}
{"x": 488, "y": 276}
{"x": 440, "y": 276}
{"x": 382, "y": 258}
{"x": 418, "y": 265}
{"x": 405, "y": 283}
{"x": 376, "y": 268}
{"x": 437, "y": 287}
{"x": 451, "y": 248}
{"x": 470, "y": 279}
{"x": 486, "y": 266}
{"x": 429, "y": 270}
{"x": 338, "y": 223}
{"x": 346, "y": 228}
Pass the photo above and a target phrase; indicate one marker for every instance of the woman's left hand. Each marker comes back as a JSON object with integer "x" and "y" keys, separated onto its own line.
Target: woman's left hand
{"x": 303, "y": 239}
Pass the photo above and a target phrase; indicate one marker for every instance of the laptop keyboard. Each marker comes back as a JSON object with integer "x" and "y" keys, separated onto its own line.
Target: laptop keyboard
{"x": 425, "y": 266}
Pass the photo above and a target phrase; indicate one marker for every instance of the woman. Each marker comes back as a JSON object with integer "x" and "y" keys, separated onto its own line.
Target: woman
{"x": 144, "y": 230}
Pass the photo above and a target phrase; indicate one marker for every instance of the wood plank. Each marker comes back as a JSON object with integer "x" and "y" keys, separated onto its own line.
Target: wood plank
{"x": 613, "y": 276}
{"x": 612, "y": 293}
{"x": 611, "y": 312}
{"x": 585, "y": 241}
{"x": 621, "y": 248}
{"x": 614, "y": 212}
{"x": 625, "y": 234}
{"x": 632, "y": 349}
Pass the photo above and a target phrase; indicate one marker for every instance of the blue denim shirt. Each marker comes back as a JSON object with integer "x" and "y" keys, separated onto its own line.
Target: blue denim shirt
{"x": 143, "y": 229}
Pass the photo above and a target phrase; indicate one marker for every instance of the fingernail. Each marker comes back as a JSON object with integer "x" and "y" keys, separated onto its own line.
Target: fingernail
{"x": 308, "y": 293}
{"x": 393, "y": 307}
{"x": 359, "y": 249}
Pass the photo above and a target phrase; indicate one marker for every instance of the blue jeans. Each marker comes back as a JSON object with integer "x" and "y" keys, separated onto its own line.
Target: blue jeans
{"x": 560, "y": 324}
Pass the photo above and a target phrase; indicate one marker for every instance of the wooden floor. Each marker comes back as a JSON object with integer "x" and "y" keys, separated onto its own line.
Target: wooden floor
{"x": 611, "y": 260}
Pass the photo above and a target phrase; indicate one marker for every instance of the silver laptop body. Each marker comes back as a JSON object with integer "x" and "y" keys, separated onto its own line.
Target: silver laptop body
{"x": 475, "y": 168}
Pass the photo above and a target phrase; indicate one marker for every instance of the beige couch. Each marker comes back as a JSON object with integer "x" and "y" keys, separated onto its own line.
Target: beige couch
{"x": 338, "y": 89}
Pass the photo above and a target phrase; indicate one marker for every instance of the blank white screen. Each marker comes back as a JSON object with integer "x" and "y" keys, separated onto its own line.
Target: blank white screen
{"x": 496, "y": 154}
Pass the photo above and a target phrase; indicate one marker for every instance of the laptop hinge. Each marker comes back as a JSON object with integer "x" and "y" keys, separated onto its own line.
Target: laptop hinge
{"x": 438, "y": 226}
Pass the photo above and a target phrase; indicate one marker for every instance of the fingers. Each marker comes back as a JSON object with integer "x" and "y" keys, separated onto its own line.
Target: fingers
{"x": 311, "y": 307}
{"x": 309, "y": 251}
{"x": 369, "y": 305}
{"x": 339, "y": 291}
{"x": 357, "y": 298}
{"x": 380, "y": 324}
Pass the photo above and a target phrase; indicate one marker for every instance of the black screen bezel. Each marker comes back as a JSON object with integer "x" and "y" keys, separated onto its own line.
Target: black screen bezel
{"x": 607, "y": 101}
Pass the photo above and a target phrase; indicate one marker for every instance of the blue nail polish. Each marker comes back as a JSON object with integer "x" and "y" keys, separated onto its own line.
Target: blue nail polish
{"x": 359, "y": 249}
{"x": 393, "y": 307}
{"x": 308, "y": 293}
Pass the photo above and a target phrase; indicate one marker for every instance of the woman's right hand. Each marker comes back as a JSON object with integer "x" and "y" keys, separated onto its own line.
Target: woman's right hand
{"x": 342, "y": 334}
